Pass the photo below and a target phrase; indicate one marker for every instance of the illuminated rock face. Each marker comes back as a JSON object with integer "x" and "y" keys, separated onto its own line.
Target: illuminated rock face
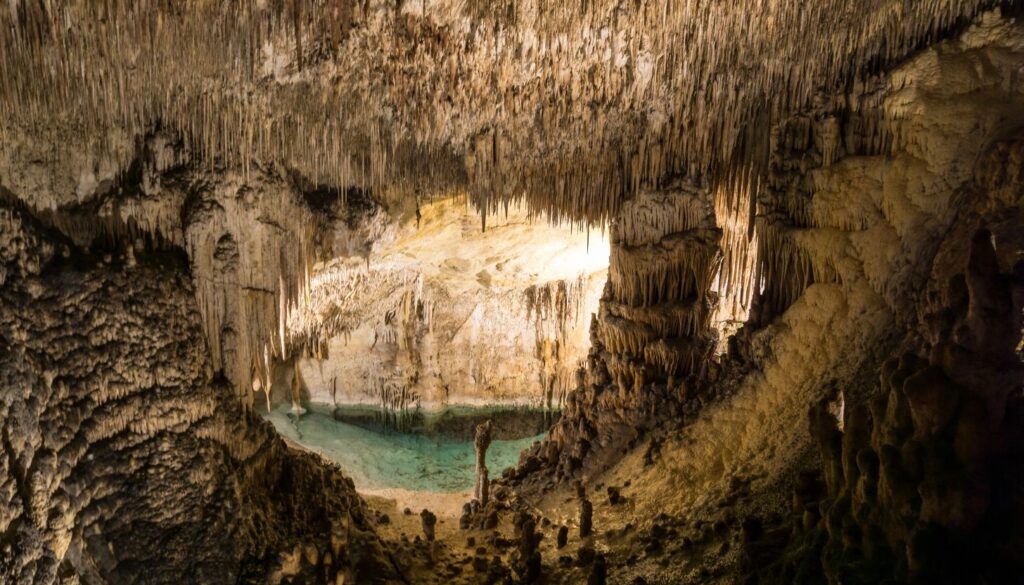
{"x": 440, "y": 312}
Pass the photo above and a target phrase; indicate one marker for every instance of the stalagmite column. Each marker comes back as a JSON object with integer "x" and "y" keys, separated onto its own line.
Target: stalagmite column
{"x": 653, "y": 337}
{"x": 563, "y": 537}
{"x": 482, "y": 442}
{"x": 429, "y": 520}
{"x": 656, "y": 310}
{"x": 586, "y": 518}
{"x": 598, "y": 572}
{"x": 527, "y": 563}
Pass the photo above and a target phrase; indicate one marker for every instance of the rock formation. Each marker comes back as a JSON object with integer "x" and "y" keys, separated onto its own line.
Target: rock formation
{"x": 429, "y": 520}
{"x": 927, "y": 466}
{"x": 438, "y": 312}
{"x": 481, "y": 442}
{"x": 124, "y": 459}
{"x": 586, "y": 518}
{"x": 527, "y": 563}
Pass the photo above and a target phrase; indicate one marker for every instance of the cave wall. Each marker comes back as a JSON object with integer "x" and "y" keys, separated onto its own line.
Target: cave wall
{"x": 922, "y": 482}
{"x": 864, "y": 185}
{"x": 442, "y": 311}
{"x": 251, "y": 235}
{"x": 919, "y": 481}
{"x": 124, "y": 459}
{"x": 486, "y": 347}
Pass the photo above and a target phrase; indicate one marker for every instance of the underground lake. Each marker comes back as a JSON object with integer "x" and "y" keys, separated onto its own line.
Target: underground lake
{"x": 421, "y": 451}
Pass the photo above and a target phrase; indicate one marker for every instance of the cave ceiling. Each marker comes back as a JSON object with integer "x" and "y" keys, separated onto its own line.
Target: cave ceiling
{"x": 568, "y": 105}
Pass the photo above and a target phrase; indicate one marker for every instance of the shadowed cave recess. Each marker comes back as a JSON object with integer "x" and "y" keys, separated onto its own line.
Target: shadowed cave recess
{"x": 512, "y": 292}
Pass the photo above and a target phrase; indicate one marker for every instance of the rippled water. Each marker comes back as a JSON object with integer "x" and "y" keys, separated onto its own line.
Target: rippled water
{"x": 378, "y": 459}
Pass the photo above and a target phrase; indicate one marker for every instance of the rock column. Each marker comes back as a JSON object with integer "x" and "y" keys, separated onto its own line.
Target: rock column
{"x": 482, "y": 441}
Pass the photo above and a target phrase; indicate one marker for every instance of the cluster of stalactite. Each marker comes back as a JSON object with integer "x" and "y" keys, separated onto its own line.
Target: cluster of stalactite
{"x": 655, "y": 314}
{"x": 405, "y": 326}
{"x": 251, "y": 241}
{"x": 346, "y": 293}
{"x": 393, "y": 395}
{"x": 854, "y": 123}
{"x": 735, "y": 283}
{"x": 395, "y": 306}
{"x": 349, "y": 293}
{"x": 572, "y": 105}
{"x": 554, "y": 307}
{"x": 251, "y": 247}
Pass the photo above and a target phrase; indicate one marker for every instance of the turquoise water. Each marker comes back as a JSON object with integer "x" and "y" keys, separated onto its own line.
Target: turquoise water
{"x": 380, "y": 459}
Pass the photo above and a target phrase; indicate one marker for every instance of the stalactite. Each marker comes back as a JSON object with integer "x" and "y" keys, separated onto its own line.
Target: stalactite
{"x": 656, "y": 314}
{"x": 249, "y": 242}
{"x": 583, "y": 111}
{"x": 554, "y": 308}
{"x": 668, "y": 90}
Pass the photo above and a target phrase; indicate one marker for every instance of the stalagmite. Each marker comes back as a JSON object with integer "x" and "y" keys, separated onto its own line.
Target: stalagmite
{"x": 481, "y": 441}
{"x": 665, "y": 255}
{"x": 528, "y": 558}
{"x": 598, "y": 571}
{"x": 428, "y": 521}
{"x": 586, "y": 518}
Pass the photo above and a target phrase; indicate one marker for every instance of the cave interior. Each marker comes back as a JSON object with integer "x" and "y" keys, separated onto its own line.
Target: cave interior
{"x": 511, "y": 292}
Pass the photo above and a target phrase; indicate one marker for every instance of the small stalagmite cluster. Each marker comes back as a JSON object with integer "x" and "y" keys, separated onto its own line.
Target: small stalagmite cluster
{"x": 929, "y": 465}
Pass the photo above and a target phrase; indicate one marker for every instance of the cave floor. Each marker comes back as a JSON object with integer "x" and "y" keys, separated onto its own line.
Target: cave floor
{"x": 669, "y": 549}
{"x": 694, "y": 537}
